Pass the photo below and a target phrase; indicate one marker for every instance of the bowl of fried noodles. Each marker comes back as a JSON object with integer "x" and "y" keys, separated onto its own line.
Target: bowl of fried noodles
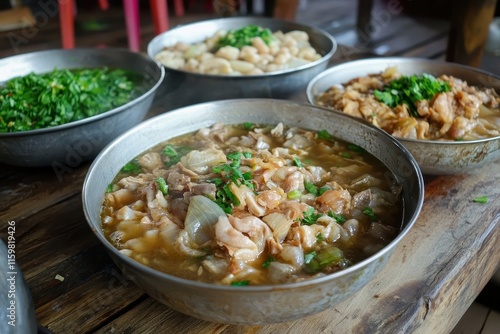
{"x": 252, "y": 211}
{"x": 447, "y": 115}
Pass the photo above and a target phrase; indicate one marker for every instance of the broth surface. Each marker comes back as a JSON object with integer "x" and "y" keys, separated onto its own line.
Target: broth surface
{"x": 252, "y": 204}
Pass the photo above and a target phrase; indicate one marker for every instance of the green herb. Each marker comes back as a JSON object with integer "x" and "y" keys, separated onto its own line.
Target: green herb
{"x": 248, "y": 125}
{"x": 331, "y": 256}
{"x": 356, "y": 148}
{"x": 297, "y": 162}
{"x": 481, "y": 199}
{"x": 323, "y": 134}
{"x": 162, "y": 185}
{"x": 311, "y": 188}
{"x": 410, "y": 89}
{"x": 309, "y": 217}
{"x": 345, "y": 155}
{"x": 319, "y": 237}
{"x": 240, "y": 283}
{"x": 322, "y": 190}
{"x": 247, "y": 155}
{"x": 37, "y": 101}
{"x": 174, "y": 154}
{"x": 294, "y": 194}
{"x": 238, "y": 38}
{"x": 132, "y": 167}
{"x": 369, "y": 212}
{"x": 267, "y": 263}
{"x": 109, "y": 188}
{"x": 339, "y": 218}
{"x": 230, "y": 173}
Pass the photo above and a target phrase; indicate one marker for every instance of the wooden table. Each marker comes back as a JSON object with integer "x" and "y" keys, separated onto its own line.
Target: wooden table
{"x": 435, "y": 274}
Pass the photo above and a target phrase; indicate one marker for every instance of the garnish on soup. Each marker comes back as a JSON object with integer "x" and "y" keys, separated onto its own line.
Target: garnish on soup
{"x": 237, "y": 208}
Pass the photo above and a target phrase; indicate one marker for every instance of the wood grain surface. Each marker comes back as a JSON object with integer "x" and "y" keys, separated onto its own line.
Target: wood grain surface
{"x": 434, "y": 275}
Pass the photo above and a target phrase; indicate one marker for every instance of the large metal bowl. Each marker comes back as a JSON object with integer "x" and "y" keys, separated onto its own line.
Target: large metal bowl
{"x": 183, "y": 88}
{"x": 65, "y": 146}
{"x": 252, "y": 305}
{"x": 433, "y": 156}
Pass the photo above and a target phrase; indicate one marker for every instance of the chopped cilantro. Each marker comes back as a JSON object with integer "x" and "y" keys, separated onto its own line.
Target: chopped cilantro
{"x": 339, "y": 218}
{"x": 410, "y": 89}
{"x": 240, "y": 283}
{"x": 238, "y": 38}
{"x": 268, "y": 261}
{"x": 310, "y": 217}
{"x": 323, "y": 134}
{"x": 109, "y": 188}
{"x": 248, "y": 125}
{"x": 162, "y": 185}
{"x": 369, "y": 212}
{"x": 132, "y": 167}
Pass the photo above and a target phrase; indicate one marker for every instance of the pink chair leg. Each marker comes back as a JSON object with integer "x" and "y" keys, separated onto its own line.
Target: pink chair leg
{"x": 103, "y": 4}
{"x": 66, "y": 19}
{"x": 133, "y": 26}
{"x": 179, "y": 7}
{"x": 159, "y": 10}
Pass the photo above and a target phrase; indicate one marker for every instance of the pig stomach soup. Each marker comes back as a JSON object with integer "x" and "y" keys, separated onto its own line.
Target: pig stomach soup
{"x": 252, "y": 204}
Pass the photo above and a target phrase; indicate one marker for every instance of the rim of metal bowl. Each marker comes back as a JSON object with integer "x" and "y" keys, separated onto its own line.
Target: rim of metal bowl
{"x": 312, "y": 100}
{"x": 283, "y": 286}
{"x": 324, "y": 58}
{"x": 98, "y": 116}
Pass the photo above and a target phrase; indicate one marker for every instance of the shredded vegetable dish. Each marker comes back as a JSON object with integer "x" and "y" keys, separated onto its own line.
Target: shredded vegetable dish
{"x": 419, "y": 106}
{"x": 252, "y": 204}
{"x": 37, "y": 101}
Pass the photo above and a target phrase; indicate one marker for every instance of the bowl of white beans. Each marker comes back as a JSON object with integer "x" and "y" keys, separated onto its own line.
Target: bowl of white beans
{"x": 239, "y": 57}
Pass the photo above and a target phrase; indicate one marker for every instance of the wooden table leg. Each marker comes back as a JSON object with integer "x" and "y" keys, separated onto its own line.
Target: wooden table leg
{"x": 469, "y": 31}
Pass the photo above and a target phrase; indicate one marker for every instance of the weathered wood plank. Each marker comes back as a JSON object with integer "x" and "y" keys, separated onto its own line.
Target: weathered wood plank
{"x": 89, "y": 305}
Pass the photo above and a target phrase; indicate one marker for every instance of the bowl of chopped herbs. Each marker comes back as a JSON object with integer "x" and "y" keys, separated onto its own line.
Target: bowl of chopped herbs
{"x": 447, "y": 115}
{"x": 59, "y": 108}
{"x": 239, "y": 57}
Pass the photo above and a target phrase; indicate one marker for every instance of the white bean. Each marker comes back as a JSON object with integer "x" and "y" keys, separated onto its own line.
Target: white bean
{"x": 215, "y": 66}
{"x": 260, "y": 45}
{"x": 228, "y": 52}
{"x": 242, "y": 66}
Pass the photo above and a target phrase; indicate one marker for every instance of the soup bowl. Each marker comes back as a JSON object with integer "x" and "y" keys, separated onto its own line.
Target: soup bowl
{"x": 181, "y": 88}
{"x": 252, "y": 305}
{"x": 65, "y": 146}
{"x": 435, "y": 157}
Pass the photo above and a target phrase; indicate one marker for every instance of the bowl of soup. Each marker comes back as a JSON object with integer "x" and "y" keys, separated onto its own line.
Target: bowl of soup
{"x": 239, "y": 57}
{"x": 252, "y": 211}
{"x": 61, "y": 107}
{"x": 447, "y": 115}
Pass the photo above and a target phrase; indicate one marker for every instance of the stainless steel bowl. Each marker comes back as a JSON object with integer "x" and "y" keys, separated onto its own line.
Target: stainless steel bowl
{"x": 434, "y": 157}
{"x": 183, "y": 88}
{"x": 66, "y": 146}
{"x": 252, "y": 305}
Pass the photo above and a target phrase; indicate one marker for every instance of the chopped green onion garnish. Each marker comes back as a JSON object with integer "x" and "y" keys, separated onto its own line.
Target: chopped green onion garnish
{"x": 132, "y": 167}
{"x": 248, "y": 125}
{"x": 310, "y": 187}
{"x": 481, "y": 199}
{"x": 323, "y": 134}
{"x": 297, "y": 162}
{"x": 109, "y": 188}
{"x": 162, "y": 185}
{"x": 339, "y": 218}
{"x": 322, "y": 190}
{"x": 268, "y": 261}
{"x": 369, "y": 212}
{"x": 294, "y": 194}
{"x": 240, "y": 283}
{"x": 345, "y": 155}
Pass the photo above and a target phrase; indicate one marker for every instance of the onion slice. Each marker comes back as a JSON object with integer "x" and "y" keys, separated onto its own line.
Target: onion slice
{"x": 202, "y": 215}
